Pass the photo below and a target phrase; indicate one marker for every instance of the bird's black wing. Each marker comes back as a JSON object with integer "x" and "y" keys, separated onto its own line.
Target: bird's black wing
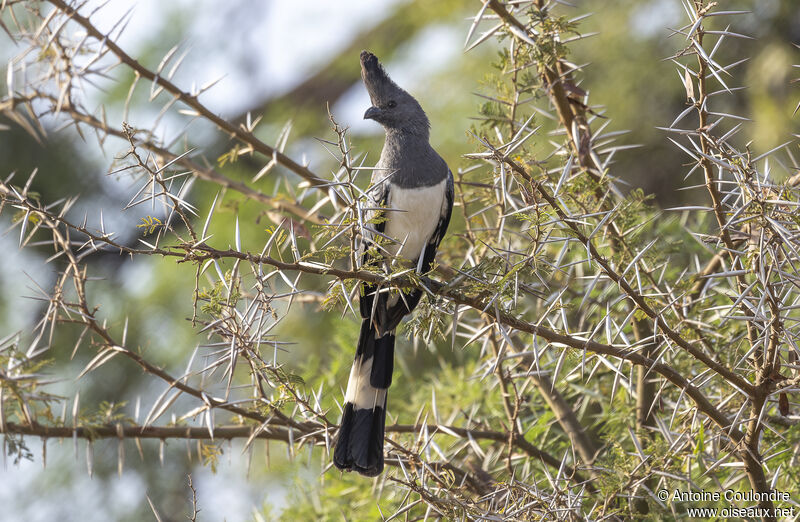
{"x": 391, "y": 315}
{"x": 368, "y": 290}
{"x": 441, "y": 227}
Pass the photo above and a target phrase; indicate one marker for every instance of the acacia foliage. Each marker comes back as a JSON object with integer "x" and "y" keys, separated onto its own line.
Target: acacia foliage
{"x": 577, "y": 350}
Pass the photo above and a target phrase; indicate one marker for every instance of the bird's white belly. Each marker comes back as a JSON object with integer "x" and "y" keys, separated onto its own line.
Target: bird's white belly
{"x": 415, "y": 215}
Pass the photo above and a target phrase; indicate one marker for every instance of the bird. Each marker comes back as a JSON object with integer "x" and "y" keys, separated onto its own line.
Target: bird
{"x": 412, "y": 187}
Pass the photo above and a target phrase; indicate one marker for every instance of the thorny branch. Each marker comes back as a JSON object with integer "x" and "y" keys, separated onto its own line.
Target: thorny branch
{"x": 200, "y": 253}
{"x": 552, "y": 259}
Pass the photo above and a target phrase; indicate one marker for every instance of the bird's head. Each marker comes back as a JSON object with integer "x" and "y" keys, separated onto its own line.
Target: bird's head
{"x": 392, "y": 107}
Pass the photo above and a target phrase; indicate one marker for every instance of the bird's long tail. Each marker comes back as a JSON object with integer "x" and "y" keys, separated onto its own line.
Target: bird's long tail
{"x": 359, "y": 446}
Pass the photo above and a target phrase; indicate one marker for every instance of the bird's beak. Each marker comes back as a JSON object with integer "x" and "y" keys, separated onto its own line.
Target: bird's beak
{"x": 372, "y": 113}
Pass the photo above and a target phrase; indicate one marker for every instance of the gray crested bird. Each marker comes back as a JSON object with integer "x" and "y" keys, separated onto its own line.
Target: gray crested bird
{"x": 414, "y": 189}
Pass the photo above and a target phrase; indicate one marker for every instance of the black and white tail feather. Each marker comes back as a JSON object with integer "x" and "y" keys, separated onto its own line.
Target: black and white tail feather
{"x": 416, "y": 191}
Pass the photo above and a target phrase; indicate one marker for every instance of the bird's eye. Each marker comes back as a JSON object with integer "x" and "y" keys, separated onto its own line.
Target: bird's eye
{"x": 392, "y": 104}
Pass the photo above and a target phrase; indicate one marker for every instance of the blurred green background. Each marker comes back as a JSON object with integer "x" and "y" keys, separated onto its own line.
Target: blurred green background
{"x": 285, "y": 61}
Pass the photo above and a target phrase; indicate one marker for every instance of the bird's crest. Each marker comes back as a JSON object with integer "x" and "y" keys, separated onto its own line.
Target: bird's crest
{"x": 392, "y": 106}
{"x": 379, "y": 85}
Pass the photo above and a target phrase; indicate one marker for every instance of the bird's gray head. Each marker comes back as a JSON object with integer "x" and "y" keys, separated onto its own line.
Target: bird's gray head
{"x": 392, "y": 107}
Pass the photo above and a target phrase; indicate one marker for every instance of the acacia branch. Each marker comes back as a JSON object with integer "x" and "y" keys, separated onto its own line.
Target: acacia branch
{"x": 572, "y": 116}
{"x": 637, "y": 298}
{"x": 311, "y": 432}
{"x": 202, "y": 252}
{"x": 189, "y": 99}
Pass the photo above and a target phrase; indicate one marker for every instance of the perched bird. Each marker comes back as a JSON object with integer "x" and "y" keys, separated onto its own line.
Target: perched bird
{"x": 414, "y": 188}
